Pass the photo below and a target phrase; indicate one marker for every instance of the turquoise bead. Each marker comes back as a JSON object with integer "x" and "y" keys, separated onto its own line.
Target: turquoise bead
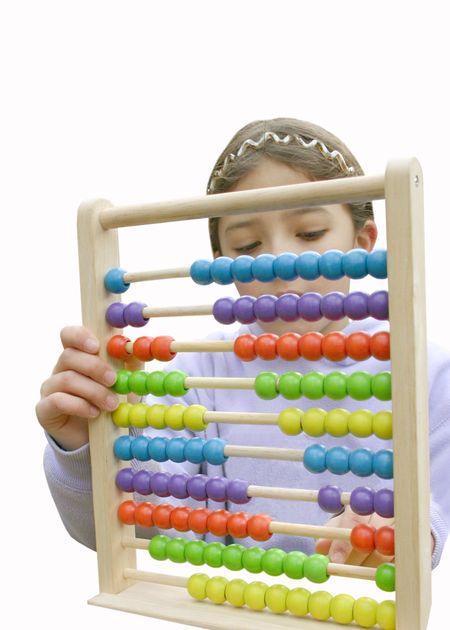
{"x": 314, "y": 458}
{"x": 157, "y": 449}
{"x": 383, "y": 464}
{"x": 122, "y": 447}
{"x": 330, "y": 264}
{"x": 354, "y": 263}
{"x": 307, "y": 265}
{"x": 193, "y": 451}
{"x": 262, "y": 268}
{"x": 284, "y": 266}
{"x": 213, "y": 451}
{"x": 377, "y": 263}
{"x": 139, "y": 448}
{"x": 241, "y": 269}
{"x": 175, "y": 449}
{"x": 200, "y": 272}
{"x": 361, "y": 462}
{"x": 336, "y": 460}
{"x": 114, "y": 282}
{"x": 221, "y": 270}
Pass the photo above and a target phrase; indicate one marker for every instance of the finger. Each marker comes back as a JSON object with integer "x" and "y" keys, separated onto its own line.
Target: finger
{"x": 87, "y": 364}
{"x": 79, "y": 337}
{"x": 58, "y": 406}
{"x": 340, "y": 550}
{"x": 375, "y": 559}
{"x": 72, "y": 382}
{"x": 323, "y": 546}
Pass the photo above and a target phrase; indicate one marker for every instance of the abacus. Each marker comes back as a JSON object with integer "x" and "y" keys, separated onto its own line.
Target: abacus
{"x": 194, "y": 600}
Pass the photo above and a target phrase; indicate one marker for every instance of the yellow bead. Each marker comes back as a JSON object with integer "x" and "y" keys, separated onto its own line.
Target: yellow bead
{"x": 234, "y": 592}
{"x": 336, "y": 422}
{"x": 365, "y": 612}
{"x": 215, "y": 589}
{"x": 276, "y": 598}
{"x": 254, "y": 595}
{"x": 386, "y": 615}
{"x": 382, "y": 425}
{"x": 290, "y": 421}
{"x": 313, "y": 421}
{"x": 173, "y": 416}
{"x": 193, "y": 417}
{"x": 319, "y": 605}
{"x": 138, "y": 415}
{"x": 120, "y": 415}
{"x": 196, "y": 585}
{"x": 341, "y": 608}
{"x": 297, "y": 601}
{"x": 360, "y": 423}
{"x": 155, "y": 416}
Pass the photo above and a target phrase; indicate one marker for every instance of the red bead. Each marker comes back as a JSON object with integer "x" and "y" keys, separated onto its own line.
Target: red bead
{"x": 310, "y": 346}
{"x": 144, "y": 514}
{"x": 258, "y": 527}
{"x": 126, "y": 511}
{"x": 358, "y": 346}
{"x": 333, "y": 346}
{"x": 142, "y": 348}
{"x": 237, "y": 525}
{"x": 161, "y": 515}
{"x": 362, "y": 538}
{"x": 244, "y": 347}
{"x": 116, "y": 347}
{"x": 217, "y": 522}
{"x": 161, "y": 348}
{"x": 380, "y": 346}
{"x": 266, "y": 346}
{"x": 385, "y": 541}
{"x": 197, "y": 520}
{"x": 287, "y": 346}
{"x": 179, "y": 518}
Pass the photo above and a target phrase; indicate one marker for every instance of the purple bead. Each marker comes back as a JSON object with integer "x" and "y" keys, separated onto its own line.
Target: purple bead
{"x": 142, "y": 482}
{"x": 177, "y": 485}
{"x": 160, "y": 484}
{"x": 265, "y": 308}
{"x": 379, "y": 305}
{"x": 237, "y": 491}
{"x": 308, "y": 306}
{"x": 361, "y": 500}
{"x": 383, "y": 503}
{"x": 332, "y": 305}
{"x": 356, "y": 305}
{"x": 286, "y": 307}
{"x": 216, "y": 488}
{"x": 124, "y": 480}
{"x": 114, "y": 315}
{"x": 223, "y": 310}
{"x": 329, "y": 499}
{"x": 243, "y": 309}
{"x": 133, "y": 314}
{"x": 196, "y": 486}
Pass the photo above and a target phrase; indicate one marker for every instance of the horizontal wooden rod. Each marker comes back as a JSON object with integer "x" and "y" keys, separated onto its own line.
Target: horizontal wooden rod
{"x": 264, "y": 452}
{"x": 290, "y": 494}
{"x": 310, "y": 531}
{"x": 175, "y": 311}
{"x": 219, "y": 382}
{"x": 157, "y": 274}
{"x": 332, "y": 191}
{"x": 241, "y": 417}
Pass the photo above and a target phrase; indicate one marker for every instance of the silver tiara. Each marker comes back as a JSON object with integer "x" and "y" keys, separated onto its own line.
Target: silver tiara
{"x": 288, "y": 139}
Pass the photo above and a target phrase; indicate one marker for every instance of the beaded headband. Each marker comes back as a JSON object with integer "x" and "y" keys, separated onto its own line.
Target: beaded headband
{"x": 288, "y": 139}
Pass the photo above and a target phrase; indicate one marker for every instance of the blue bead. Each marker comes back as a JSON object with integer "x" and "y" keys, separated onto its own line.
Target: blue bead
{"x": 157, "y": 449}
{"x": 200, "y": 271}
{"x": 354, "y": 263}
{"x": 314, "y": 458}
{"x": 361, "y": 462}
{"x": 193, "y": 451}
{"x": 336, "y": 460}
{"x": 175, "y": 449}
{"x": 241, "y": 268}
{"x": 262, "y": 268}
{"x": 114, "y": 281}
{"x": 330, "y": 264}
{"x": 284, "y": 266}
{"x": 139, "y": 448}
{"x": 377, "y": 263}
{"x": 213, "y": 451}
{"x": 383, "y": 464}
{"x": 122, "y": 447}
{"x": 307, "y": 265}
{"x": 221, "y": 270}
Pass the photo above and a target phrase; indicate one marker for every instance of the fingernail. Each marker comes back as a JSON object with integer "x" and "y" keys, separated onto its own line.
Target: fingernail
{"x": 112, "y": 402}
{"x": 109, "y": 377}
{"x": 91, "y": 345}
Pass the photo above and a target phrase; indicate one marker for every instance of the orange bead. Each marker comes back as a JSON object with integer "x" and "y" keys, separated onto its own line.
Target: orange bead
{"x": 179, "y": 518}
{"x": 310, "y": 346}
{"x": 385, "y": 541}
{"x": 333, "y": 346}
{"x": 161, "y": 348}
{"x": 197, "y": 520}
{"x": 237, "y": 525}
{"x": 116, "y": 347}
{"x": 126, "y": 511}
{"x": 244, "y": 347}
{"x": 258, "y": 527}
{"x": 362, "y": 538}
{"x": 380, "y": 346}
{"x": 358, "y": 346}
{"x": 142, "y": 348}
{"x": 161, "y": 515}
{"x": 144, "y": 514}
{"x": 287, "y": 346}
{"x": 217, "y": 522}
{"x": 266, "y": 346}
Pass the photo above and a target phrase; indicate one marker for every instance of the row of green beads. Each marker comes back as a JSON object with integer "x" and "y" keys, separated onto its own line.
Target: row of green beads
{"x": 337, "y": 422}
{"x": 314, "y": 385}
{"x": 176, "y": 417}
{"x": 158, "y": 383}
{"x": 321, "y": 605}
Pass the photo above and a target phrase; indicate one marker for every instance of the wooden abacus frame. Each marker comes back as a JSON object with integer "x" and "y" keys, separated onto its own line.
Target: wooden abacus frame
{"x": 121, "y": 585}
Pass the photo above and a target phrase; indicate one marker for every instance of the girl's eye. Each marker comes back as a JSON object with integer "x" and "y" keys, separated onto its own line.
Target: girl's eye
{"x": 310, "y": 236}
{"x": 247, "y": 248}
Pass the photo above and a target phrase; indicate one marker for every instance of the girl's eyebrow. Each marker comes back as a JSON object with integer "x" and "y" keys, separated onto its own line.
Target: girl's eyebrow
{"x": 298, "y": 211}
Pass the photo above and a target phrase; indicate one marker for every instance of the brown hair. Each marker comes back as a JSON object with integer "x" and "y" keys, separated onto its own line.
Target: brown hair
{"x": 309, "y": 160}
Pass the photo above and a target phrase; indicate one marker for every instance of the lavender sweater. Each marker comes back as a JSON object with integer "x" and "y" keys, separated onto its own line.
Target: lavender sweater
{"x": 68, "y": 473}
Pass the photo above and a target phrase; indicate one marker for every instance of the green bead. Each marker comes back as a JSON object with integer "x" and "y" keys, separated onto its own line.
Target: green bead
{"x": 360, "y": 423}
{"x": 313, "y": 421}
{"x": 297, "y": 601}
{"x": 341, "y": 608}
{"x": 290, "y": 421}
{"x": 315, "y": 568}
{"x": 252, "y": 559}
{"x": 175, "y": 549}
{"x": 234, "y": 592}
{"x": 137, "y": 382}
{"x": 289, "y": 385}
{"x": 386, "y": 615}
{"x": 359, "y": 385}
{"x": 266, "y": 385}
{"x": 381, "y": 385}
{"x": 174, "y": 383}
{"x": 382, "y": 425}
{"x": 213, "y": 554}
{"x": 276, "y": 598}
{"x": 193, "y": 417}
{"x": 138, "y": 415}
{"x": 157, "y": 547}
{"x": 365, "y": 612}
{"x": 319, "y": 605}
{"x": 121, "y": 385}
{"x": 121, "y": 415}
{"x": 335, "y": 385}
{"x": 293, "y": 564}
{"x": 254, "y": 595}
{"x": 385, "y": 577}
{"x": 272, "y": 561}
{"x": 155, "y": 415}
{"x": 215, "y": 589}
{"x": 336, "y": 422}
{"x": 312, "y": 385}
{"x": 155, "y": 383}
{"x": 173, "y": 417}
{"x": 232, "y": 557}
{"x": 196, "y": 585}
{"x": 194, "y": 551}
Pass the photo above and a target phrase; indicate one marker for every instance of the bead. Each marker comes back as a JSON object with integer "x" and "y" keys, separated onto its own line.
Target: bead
{"x": 237, "y": 491}
{"x": 341, "y": 608}
{"x": 114, "y": 282}
{"x": 196, "y": 486}
{"x": 308, "y": 307}
{"x": 378, "y": 305}
{"x": 121, "y": 385}
{"x": 120, "y": 416}
{"x": 116, "y": 347}
{"x": 384, "y": 503}
{"x": 193, "y": 417}
{"x": 175, "y": 449}
{"x": 126, "y": 511}
{"x": 200, "y": 272}
{"x": 142, "y": 482}
{"x": 365, "y": 612}
{"x": 286, "y": 307}
{"x": 290, "y": 421}
{"x": 215, "y": 589}
{"x": 356, "y": 305}
{"x": 177, "y": 485}
{"x": 275, "y": 598}
{"x": 252, "y": 559}
{"x": 383, "y": 464}
{"x": 354, "y": 263}
{"x": 381, "y": 385}
{"x": 359, "y": 385}
{"x": 142, "y": 348}
{"x": 362, "y": 501}
{"x": 334, "y": 347}
{"x": 293, "y": 564}
{"x": 237, "y": 525}
{"x": 262, "y": 268}
{"x": 332, "y": 305}
{"x": 314, "y": 458}
{"x": 241, "y": 268}
{"x": 244, "y": 347}
{"x": 155, "y": 415}
{"x": 213, "y": 554}
{"x": 357, "y": 346}
{"x": 139, "y": 448}
{"x": 360, "y": 423}
{"x": 266, "y": 385}
{"x": 157, "y": 449}
{"x": 244, "y": 309}
{"x": 197, "y": 520}
{"x": 221, "y": 270}
{"x": 175, "y": 550}
{"x": 310, "y": 346}
{"x": 361, "y": 462}
{"x": 380, "y": 346}
{"x": 159, "y": 483}
{"x": 377, "y": 263}
{"x": 157, "y": 547}
{"x": 234, "y": 592}
{"x": 213, "y": 451}
{"x": 193, "y": 450}
{"x": 272, "y": 561}
{"x": 115, "y": 315}
{"x": 217, "y": 522}
{"x": 319, "y": 605}
{"x": 254, "y": 595}
{"x": 337, "y": 460}
{"x": 196, "y": 585}
{"x": 265, "y": 308}
{"x": 335, "y": 385}
{"x": 173, "y": 417}
{"x": 362, "y": 538}
{"x": 216, "y": 488}
{"x": 133, "y": 314}
{"x": 329, "y": 499}
{"x": 161, "y": 515}
{"x": 194, "y": 552}
{"x": 330, "y": 264}
{"x": 289, "y": 385}
{"x": 336, "y": 422}
{"x": 223, "y": 310}
{"x": 265, "y": 346}
{"x": 313, "y": 421}
{"x": 315, "y": 568}
{"x": 156, "y": 383}
{"x": 307, "y": 265}
{"x": 312, "y": 385}
{"x": 297, "y": 601}
{"x": 232, "y": 557}
{"x": 284, "y": 266}
{"x": 287, "y": 346}
{"x": 160, "y": 348}
{"x": 382, "y": 424}
{"x": 138, "y": 415}
{"x": 137, "y": 382}
{"x": 258, "y": 527}
{"x": 124, "y": 480}
{"x": 174, "y": 383}
{"x": 122, "y": 447}
{"x": 144, "y": 514}
{"x": 385, "y": 541}
{"x": 386, "y": 615}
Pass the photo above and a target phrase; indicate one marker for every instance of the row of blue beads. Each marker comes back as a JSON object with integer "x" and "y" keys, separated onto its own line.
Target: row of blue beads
{"x": 340, "y": 460}
{"x": 161, "y": 449}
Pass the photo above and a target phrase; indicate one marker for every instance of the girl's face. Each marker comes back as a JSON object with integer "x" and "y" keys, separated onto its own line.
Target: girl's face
{"x": 295, "y": 231}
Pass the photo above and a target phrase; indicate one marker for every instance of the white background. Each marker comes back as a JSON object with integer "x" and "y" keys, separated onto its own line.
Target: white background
{"x": 134, "y": 101}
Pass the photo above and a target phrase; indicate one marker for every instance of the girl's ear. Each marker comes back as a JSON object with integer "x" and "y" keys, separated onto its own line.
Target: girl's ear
{"x": 367, "y": 236}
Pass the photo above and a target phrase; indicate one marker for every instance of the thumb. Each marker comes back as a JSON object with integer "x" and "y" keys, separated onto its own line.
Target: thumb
{"x": 323, "y": 544}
